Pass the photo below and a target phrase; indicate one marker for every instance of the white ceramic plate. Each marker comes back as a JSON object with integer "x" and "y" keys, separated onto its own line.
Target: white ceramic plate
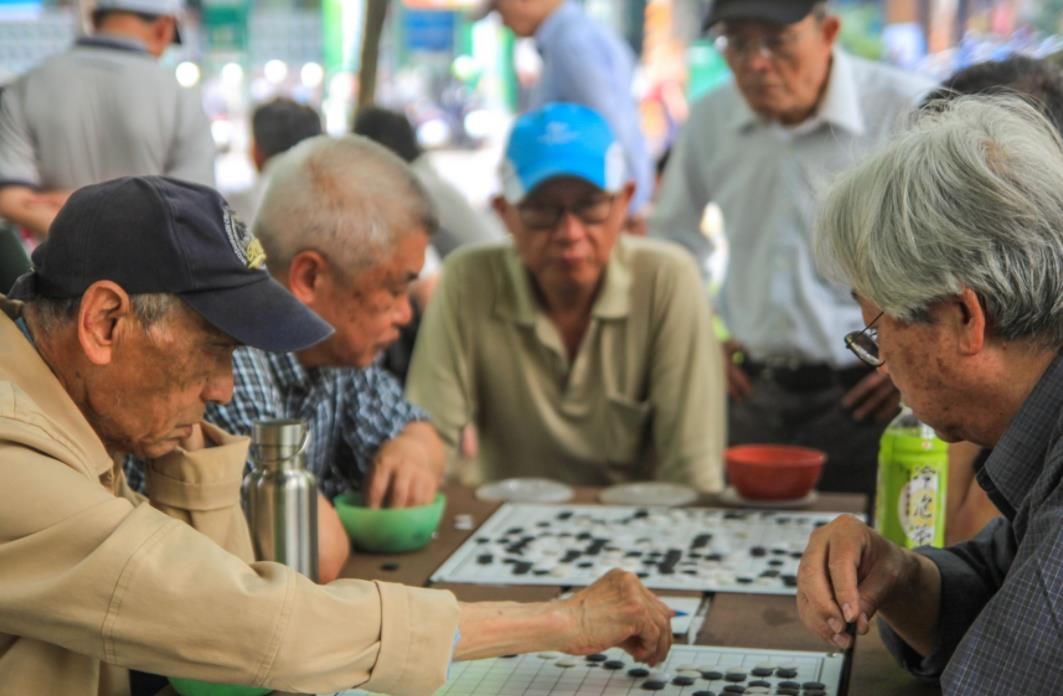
{"x": 648, "y": 493}
{"x": 525, "y": 490}
{"x": 730, "y": 496}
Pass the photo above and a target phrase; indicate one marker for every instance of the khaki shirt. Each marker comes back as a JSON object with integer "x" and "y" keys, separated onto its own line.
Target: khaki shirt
{"x": 643, "y": 398}
{"x": 96, "y": 581}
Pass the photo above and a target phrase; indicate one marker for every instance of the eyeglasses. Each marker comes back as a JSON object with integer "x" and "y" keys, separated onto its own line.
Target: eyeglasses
{"x": 776, "y": 46}
{"x": 864, "y": 343}
{"x": 546, "y": 218}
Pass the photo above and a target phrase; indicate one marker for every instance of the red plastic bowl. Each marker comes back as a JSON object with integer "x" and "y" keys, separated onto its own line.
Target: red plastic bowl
{"x": 773, "y": 472}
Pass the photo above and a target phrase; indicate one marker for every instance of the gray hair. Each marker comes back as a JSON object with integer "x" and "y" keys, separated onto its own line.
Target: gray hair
{"x": 348, "y": 198}
{"x": 52, "y": 315}
{"x": 970, "y": 197}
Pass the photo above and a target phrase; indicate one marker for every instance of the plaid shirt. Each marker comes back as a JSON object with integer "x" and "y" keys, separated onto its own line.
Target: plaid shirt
{"x": 351, "y": 412}
{"x": 1001, "y": 621}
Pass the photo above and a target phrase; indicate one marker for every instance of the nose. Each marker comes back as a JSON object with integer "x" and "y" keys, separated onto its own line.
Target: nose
{"x": 570, "y": 227}
{"x": 403, "y": 310}
{"x": 219, "y": 387}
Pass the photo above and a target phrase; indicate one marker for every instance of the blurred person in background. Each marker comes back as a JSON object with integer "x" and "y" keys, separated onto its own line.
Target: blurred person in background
{"x": 589, "y": 64}
{"x": 276, "y": 127}
{"x": 459, "y": 223}
{"x": 799, "y": 111}
{"x": 102, "y": 109}
{"x": 1041, "y": 83}
{"x": 576, "y": 352}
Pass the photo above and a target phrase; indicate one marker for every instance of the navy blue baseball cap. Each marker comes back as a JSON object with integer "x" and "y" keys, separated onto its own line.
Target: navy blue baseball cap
{"x": 772, "y": 11}
{"x": 561, "y": 139}
{"x": 154, "y": 234}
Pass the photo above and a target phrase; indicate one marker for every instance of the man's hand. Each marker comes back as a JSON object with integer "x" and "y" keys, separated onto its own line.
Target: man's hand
{"x": 873, "y": 397}
{"x": 618, "y": 610}
{"x": 408, "y": 468}
{"x": 739, "y": 385}
{"x": 848, "y": 572}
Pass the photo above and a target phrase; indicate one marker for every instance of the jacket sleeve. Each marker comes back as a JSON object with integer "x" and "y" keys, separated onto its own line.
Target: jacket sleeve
{"x": 132, "y": 586}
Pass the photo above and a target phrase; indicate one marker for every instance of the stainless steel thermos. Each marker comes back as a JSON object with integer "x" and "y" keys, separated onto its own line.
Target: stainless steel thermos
{"x": 281, "y": 496}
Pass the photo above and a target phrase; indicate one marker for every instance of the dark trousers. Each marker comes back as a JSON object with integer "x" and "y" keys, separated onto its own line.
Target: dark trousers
{"x": 811, "y": 418}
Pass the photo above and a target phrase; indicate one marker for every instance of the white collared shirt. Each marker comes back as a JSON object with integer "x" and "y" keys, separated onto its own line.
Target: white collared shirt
{"x": 767, "y": 180}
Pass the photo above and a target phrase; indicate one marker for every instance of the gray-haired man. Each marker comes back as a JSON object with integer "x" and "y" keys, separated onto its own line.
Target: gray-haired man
{"x": 951, "y": 240}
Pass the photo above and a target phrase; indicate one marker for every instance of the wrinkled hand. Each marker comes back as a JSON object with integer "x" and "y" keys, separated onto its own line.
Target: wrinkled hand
{"x": 404, "y": 473}
{"x": 618, "y": 610}
{"x": 873, "y": 397}
{"x": 739, "y": 385}
{"x": 846, "y": 574}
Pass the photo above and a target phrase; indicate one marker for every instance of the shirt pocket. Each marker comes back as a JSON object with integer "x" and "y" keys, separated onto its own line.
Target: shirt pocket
{"x": 627, "y": 425}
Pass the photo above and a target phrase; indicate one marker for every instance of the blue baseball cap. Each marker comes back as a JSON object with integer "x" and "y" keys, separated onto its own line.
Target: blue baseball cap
{"x": 561, "y": 140}
{"x": 154, "y": 234}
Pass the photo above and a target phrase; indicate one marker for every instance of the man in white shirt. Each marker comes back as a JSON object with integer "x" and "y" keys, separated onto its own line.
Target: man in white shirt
{"x": 799, "y": 111}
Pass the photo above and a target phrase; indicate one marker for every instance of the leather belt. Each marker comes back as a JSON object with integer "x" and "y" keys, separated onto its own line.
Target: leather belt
{"x": 806, "y": 377}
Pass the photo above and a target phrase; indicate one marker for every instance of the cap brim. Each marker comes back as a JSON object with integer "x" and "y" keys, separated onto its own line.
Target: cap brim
{"x": 262, "y": 315}
{"x": 771, "y": 11}
{"x": 24, "y": 288}
{"x": 551, "y": 169}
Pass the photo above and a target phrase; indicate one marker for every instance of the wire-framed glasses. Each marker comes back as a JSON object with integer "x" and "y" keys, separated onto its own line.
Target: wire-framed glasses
{"x": 864, "y": 343}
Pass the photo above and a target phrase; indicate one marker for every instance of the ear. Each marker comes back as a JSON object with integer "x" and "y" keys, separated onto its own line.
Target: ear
{"x": 307, "y": 276}
{"x": 971, "y": 324}
{"x": 257, "y": 156}
{"x": 104, "y": 312}
{"x": 831, "y": 27}
{"x": 625, "y": 194}
{"x": 503, "y": 209}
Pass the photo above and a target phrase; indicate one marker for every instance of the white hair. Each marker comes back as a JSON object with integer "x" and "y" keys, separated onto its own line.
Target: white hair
{"x": 348, "y": 198}
{"x": 52, "y": 315}
{"x": 971, "y": 196}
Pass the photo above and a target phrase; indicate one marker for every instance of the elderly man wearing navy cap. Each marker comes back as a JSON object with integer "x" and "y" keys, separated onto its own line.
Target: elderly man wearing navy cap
{"x": 105, "y": 108}
{"x": 124, "y": 334}
{"x": 577, "y": 353}
{"x": 799, "y": 111}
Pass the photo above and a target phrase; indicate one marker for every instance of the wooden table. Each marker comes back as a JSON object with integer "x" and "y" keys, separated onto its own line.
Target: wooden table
{"x": 735, "y": 620}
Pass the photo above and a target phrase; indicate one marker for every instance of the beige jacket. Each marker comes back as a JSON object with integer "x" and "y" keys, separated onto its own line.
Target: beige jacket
{"x": 94, "y": 580}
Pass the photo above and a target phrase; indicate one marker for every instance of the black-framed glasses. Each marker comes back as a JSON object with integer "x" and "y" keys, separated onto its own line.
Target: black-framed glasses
{"x": 864, "y": 343}
{"x": 546, "y": 218}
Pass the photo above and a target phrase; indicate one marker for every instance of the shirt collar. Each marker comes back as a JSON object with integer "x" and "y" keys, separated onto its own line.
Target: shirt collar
{"x": 1018, "y": 458}
{"x": 548, "y": 30}
{"x": 35, "y": 378}
{"x": 840, "y": 105}
{"x": 517, "y": 300}
{"x": 113, "y": 41}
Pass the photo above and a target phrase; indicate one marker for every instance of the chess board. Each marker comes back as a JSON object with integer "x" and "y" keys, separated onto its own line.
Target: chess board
{"x": 701, "y": 549}
{"x": 691, "y": 670}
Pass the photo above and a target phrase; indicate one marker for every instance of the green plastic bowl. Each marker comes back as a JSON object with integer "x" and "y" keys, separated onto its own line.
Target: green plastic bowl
{"x": 194, "y": 687}
{"x": 388, "y": 530}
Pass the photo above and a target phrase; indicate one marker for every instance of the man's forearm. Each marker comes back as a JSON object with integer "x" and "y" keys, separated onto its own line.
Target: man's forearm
{"x": 490, "y": 629}
{"x": 913, "y": 609}
{"x": 20, "y": 205}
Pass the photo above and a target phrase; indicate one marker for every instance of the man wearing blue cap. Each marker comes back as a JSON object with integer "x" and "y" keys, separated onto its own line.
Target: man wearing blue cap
{"x": 577, "y": 353}
{"x": 105, "y": 108}
{"x": 799, "y": 111}
{"x": 125, "y": 334}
